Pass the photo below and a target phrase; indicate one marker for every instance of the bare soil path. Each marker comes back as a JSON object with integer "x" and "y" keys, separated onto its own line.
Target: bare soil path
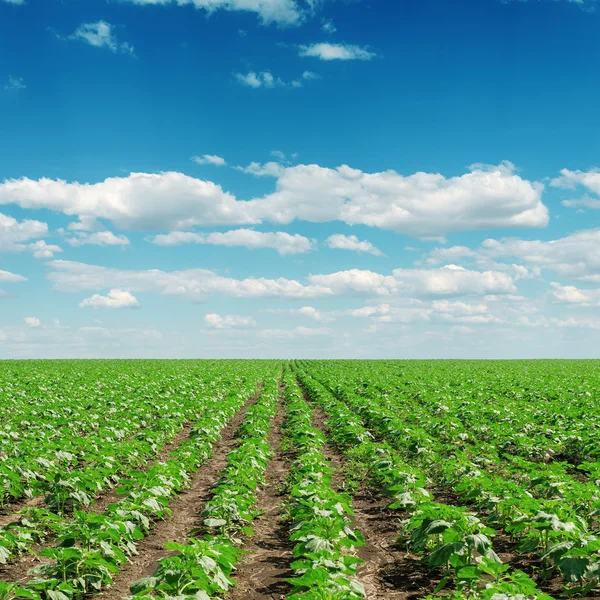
{"x": 186, "y": 509}
{"x": 262, "y": 573}
{"x": 387, "y": 572}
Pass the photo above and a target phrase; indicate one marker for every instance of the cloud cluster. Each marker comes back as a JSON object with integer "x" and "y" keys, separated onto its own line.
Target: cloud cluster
{"x": 15, "y": 84}
{"x": 351, "y": 242}
{"x": 589, "y": 180}
{"x": 115, "y": 299}
{"x": 447, "y": 281}
{"x": 265, "y": 79}
{"x": 216, "y": 321}
{"x": 98, "y": 238}
{"x": 576, "y": 256}
{"x": 327, "y": 51}
{"x": 13, "y": 234}
{"x": 423, "y": 204}
{"x": 101, "y": 35}
{"x": 569, "y": 294}
{"x": 281, "y": 12}
{"x": 195, "y": 284}
{"x": 283, "y": 243}
{"x": 8, "y": 277}
{"x": 210, "y": 159}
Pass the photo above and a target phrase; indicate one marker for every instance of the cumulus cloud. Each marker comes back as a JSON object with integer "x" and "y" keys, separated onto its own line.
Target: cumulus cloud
{"x": 313, "y": 313}
{"x": 569, "y": 294}
{"x": 8, "y": 277}
{"x": 422, "y": 204}
{"x": 576, "y": 256}
{"x": 14, "y": 234}
{"x": 589, "y": 180}
{"x": 452, "y": 254}
{"x": 281, "y": 12}
{"x": 446, "y": 281}
{"x": 32, "y": 322}
{"x": 284, "y": 243}
{"x": 115, "y": 299}
{"x": 140, "y": 201}
{"x": 210, "y": 159}
{"x": 98, "y": 238}
{"x": 41, "y": 249}
{"x": 215, "y": 321}
{"x": 195, "y": 284}
{"x": 101, "y": 35}
{"x": 327, "y": 51}
{"x": 351, "y": 242}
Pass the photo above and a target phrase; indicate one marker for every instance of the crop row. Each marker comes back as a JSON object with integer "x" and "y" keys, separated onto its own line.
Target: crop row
{"x": 321, "y": 525}
{"x": 92, "y": 547}
{"x": 202, "y": 568}
{"x": 449, "y": 537}
{"x": 557, "y": 526}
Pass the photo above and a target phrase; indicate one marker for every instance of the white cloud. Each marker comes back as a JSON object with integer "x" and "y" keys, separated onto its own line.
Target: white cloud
{"x": 576, "y": 256}
{"x": 284, "y": 243}
{"x": 41, "y": 249}
{"x": 101, "y": 35}
{"x": 13, "y": 233}
{"x": 216, "y": 321}
{"x": 462, "y": 330}
{"x": 270, "y": 169}
{"x": 281, "y": 12}
{"x": 267, "y": 80}
{"x": 85, "y": 223}
{"x": 351, "y": 242}
{"x": 313, "y": 313}
{"x": 20, "y": 2}
{"x": 32, "y": 321}
{"x": 140, "y": 201}
{"x": 98, "y": 238}
{"x": 8, "y": 277}
{"x": 422, "y": 205}
{"x": 454, "y": 253}
{"x": 569, "y": 294}
{"x": 210, "y": 159}
{"x": 115, "y": 299}
{"x": 15, "y": 83}
{"x": 310, "y": 76}
{"x": 294, "y": 333}
{"x": 589, "y": 180}
{"x": 458, "y": 308}
{"x": 328, "y": 26}
{"x": 195, "y": 284}
{"x": 447, "y": 281}
{"x": 327, "y": 51}
{"x": 312, "y": 331}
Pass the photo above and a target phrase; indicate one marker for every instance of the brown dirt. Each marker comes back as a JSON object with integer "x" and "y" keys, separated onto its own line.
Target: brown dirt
{"x": 17, "y": 568}
{"x": 10, "y": 513}
{"x": 186, "y": 508}
{"x": 110, "y": 496}
{"x": 386, "y": 572}
{"x": 262, "y": 574}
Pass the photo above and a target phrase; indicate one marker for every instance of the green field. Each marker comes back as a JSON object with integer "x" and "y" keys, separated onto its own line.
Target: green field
{"x": 327, "y": 480}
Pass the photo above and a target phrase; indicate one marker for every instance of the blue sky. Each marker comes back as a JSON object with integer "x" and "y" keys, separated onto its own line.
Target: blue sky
{"x": 328, "y": 178}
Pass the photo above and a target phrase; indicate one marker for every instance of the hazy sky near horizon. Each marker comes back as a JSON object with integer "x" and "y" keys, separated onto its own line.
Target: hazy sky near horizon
{"x": 326, "y": 178}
